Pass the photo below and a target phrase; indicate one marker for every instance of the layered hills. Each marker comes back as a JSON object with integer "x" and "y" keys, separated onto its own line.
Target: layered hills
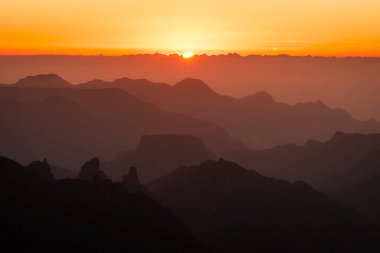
{"x": 343, "y": 160}
{"x": 257, "y": 120}
{"x": 82, "y": 123}
{"x": 241, "y": 211}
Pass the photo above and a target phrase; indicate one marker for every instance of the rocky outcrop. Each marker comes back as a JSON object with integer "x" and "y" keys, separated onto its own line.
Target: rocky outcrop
{"x": 42, "y": 168}
{"x": 132, "y": 182}
{"x": 91, "y": 171}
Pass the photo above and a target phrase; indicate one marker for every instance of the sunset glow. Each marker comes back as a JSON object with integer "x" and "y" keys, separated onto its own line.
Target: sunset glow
{"x": 190, "y": 126}
{"x": 187, "y": 55}
{"x": 325, "y": 27}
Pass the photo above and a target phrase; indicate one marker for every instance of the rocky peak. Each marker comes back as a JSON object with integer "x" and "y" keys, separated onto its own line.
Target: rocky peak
{"x": 91, "y": 171}
{"x": 42, "y": 168}
{"x": 131, "y": 181}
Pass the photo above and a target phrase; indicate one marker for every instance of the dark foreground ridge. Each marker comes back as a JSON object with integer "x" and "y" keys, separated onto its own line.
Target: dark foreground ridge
{"x": 39, "y": 214}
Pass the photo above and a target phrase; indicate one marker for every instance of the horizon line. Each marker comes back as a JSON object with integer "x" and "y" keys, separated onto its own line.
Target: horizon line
{"x": 177, "y": 54}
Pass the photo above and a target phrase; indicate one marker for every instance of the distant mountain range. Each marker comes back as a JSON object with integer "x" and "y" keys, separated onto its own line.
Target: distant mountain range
{"x": 351, "y": 83}
{"x": 43, "y": 81}
{"x": 345, "y": 159}
{"x": 57, "y": 123}
{"x": 257, "y": 120}
{"x": 242, "y": 211}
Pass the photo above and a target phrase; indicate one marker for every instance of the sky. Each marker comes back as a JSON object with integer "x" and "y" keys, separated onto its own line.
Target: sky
{"x": 113, "y": 27}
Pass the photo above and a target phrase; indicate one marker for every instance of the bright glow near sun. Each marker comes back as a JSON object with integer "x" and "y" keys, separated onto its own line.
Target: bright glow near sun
{"x": 187, "y": 55}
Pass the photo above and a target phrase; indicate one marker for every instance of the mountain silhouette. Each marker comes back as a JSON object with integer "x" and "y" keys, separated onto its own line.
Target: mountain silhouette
{"x": 41, "y": 168}
{"x": 158, "y": 155}
{"x": 91, "y": 171}
{"x": 11, "y": 171}
{"x": 132, "y": 182}
{"x": 242, "y": 211}
{"x": 84, "y": 216}
{"x": 362, "y": 189}
{"x": 43, "y": 81}
{"x": 364, "y": 196}
{"x": 298, "y": 173}
{"x": 257, "y": 120}
{"x": 85, "y": 123}
{"x": 291, "y": 79}
{"x": 343, "y": 160}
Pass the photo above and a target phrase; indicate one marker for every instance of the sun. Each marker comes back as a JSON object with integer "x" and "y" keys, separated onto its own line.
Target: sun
{"x": 187, "y": 55}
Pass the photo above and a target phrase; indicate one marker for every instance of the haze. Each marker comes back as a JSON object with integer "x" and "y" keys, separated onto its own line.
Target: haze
{"x": 348, "y": 83}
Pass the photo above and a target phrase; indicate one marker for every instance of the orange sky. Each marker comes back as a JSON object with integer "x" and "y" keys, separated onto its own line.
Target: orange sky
{"x": 295, "y": 27}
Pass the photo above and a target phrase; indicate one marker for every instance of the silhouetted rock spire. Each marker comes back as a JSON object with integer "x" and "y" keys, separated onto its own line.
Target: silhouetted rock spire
{"x": 42, "y": 168}
{"x": 131, "y": 181}
{"x": 90, "y": 171}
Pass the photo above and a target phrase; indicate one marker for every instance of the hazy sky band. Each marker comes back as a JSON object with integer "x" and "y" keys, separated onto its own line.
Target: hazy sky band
{"x": 295, "y": 27}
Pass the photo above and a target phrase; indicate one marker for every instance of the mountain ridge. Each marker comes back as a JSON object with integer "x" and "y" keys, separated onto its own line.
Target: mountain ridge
{"x": 106, "y": 121}
{"x": 266, "y": 122}
{"x": 84, "y": 216}
{"x": 325, "y": 165}
{"x": 242, "y": 211}
{"x": 43, "y": 81}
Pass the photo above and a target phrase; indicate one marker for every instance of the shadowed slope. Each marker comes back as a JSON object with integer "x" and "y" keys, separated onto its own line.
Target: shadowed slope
{"x": 242, "y": 211}
{"x": 364, "y": 196}
{"x": 343, "y": 160}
